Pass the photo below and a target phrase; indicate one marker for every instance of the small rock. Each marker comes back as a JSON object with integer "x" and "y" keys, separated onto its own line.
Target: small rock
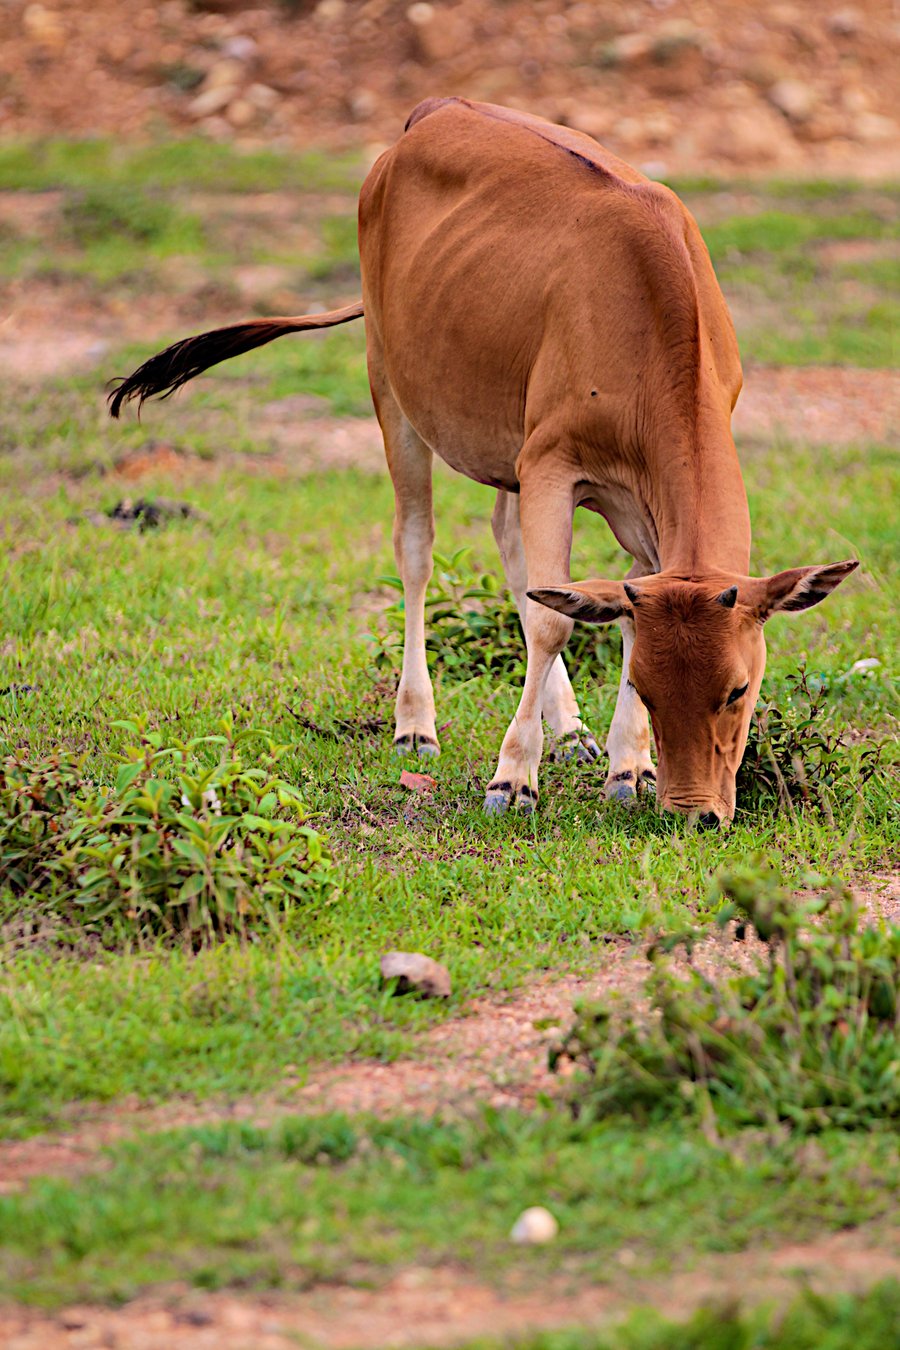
{"x": 749, "y": 136}
{"x": 413, "y": 971}
{"x": 262, "y": 96}
{"x": 420, "y": 14}
{"x": 873, "y": 128}
{"x": 227, "y": 73}
{"x": 240, "y": 48}
{"x": 844, "y": 22}
{"x": 441, "y": 33}
{"x": 362, "y": 104}
{"x": 627, "y": 49}
{"x": 417, "y": 782}
{"x": 866, "y": 663}
{"x": 212, "y": 100}
{"x": 329, "y": 10}
{"x": 534, "y": 1226}
{"x": 44, "y": 26}
{"x": 793, "y": 98}
{"x": 241, "y": 112}
{"x": 119, "y": 47}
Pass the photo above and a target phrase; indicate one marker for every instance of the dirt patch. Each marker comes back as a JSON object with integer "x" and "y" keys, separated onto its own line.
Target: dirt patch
{"x": 496, "y": 1054}
{"x": 441, "y": 1306}
{"x": 818, "y": 405}
{"x": 45, "y": 354}
{"x": 157, "y": 457}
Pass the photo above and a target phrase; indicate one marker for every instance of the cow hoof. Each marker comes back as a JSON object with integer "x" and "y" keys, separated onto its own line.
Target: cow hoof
{"x": 647, "y": 782}
{"x": 424, "y": 746}
{"x": 577, "y": 745}
{"x": 621, "y": 792}
{"x": 500, "y": 796}
{"x": 497, "y": 799}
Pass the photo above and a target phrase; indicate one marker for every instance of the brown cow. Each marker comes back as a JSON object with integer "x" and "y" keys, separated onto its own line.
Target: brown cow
{"x": 547, "y": 320}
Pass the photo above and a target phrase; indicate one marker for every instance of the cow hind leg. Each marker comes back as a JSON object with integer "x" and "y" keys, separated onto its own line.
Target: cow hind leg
{"x": 410, "y": 464}
{"x": 628, "y": 744}
{"x": 560, "y": 707}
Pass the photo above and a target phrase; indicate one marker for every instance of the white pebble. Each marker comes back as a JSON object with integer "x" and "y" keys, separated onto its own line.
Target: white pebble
{"x": 535, "y": 1225}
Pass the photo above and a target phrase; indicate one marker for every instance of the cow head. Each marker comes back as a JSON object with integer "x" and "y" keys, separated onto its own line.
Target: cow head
{"x": 697, "y": 664}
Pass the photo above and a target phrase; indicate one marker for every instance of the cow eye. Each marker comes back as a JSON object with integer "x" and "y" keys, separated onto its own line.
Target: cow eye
{"x": 738, "y": 693}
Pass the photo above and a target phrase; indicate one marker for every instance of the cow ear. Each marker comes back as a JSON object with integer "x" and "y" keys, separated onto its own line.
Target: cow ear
{"x": 589, "y": 601}
{"x": 799, "y": 588}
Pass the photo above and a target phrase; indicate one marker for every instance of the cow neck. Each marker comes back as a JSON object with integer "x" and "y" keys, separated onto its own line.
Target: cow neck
{"x": 696, "y": 497}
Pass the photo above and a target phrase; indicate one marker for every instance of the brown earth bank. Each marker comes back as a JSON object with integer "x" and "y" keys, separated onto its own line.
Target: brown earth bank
{"x": 440, "y": 1306}
{"x": 681, "y": 86}
{"x": 496, "y": 1054}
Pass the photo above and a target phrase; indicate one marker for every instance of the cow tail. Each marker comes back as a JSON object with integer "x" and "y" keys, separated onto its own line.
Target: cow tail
{"x": 168, "y": 370}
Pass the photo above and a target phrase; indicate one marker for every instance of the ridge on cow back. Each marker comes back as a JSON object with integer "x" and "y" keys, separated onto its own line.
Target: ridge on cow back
{"x": 547, "y": 321}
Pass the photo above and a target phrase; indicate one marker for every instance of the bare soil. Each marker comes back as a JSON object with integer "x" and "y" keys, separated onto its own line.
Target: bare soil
{"x": 427, "y": 1306}
{"x": 685, "y": 86}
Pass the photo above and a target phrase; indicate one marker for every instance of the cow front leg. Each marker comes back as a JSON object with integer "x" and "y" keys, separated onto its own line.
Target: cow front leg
{"x": 628, "y": 743}
{"x": 546, "y": 533}
{"x": 410, "y": 463}
{"x": 560, "y": 707}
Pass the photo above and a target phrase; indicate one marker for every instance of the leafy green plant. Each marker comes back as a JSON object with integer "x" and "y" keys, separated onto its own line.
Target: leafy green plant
{"x": 795, "y": 754}
{"x": 808, "y": 1037}
{"x": 175, "y": 847}
{"x": 472, "y": 628}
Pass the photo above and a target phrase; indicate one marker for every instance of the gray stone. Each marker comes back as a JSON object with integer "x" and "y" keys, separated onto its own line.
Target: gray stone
{"x": 415, "y": 972}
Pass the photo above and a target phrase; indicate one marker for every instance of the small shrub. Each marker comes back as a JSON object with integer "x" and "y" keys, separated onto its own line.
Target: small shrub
{"x": 174, "y": 848}
{"x": 810, "y": 1037}
{"x": 472, "y": 628}
{"x": 795, "y": 755}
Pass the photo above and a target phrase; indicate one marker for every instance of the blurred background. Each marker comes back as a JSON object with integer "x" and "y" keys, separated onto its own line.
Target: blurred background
{"x": 169, "y": 167}
{"x": 683, "y": 86}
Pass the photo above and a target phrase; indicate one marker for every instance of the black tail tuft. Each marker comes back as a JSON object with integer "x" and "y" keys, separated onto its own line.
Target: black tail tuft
{"x": 169, "y": 370}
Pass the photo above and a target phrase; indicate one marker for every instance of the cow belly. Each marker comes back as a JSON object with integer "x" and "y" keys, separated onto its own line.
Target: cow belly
{"x": 480, "y": 452}
{"x": 461, "y": 403}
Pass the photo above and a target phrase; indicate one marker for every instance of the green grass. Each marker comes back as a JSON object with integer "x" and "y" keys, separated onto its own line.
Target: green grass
{"x": 257, "y": 610}
{"x": 311, "y": 1199}
{"x": 792, "y": 305}
{"x": 262, "y": 608}
{"x": 39, "y": 166}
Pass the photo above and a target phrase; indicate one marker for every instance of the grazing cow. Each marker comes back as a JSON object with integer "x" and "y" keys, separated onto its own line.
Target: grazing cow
{"x": 547, "y": 321}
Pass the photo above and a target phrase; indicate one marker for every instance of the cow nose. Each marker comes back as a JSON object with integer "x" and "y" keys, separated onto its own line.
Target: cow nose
{"x": 710, "y": 821}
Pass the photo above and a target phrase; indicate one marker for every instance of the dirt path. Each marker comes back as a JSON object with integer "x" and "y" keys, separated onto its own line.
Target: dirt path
{"x": 495, "y": 1054}
{"x": 444, "y": 1307}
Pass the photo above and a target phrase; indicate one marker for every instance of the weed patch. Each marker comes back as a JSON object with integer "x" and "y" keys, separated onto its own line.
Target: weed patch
{"x": 174, "y": 848}
{"x": 809, "y": 1038}
{"x": 472, "y": 628}
{"x": 796, "y": 755}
